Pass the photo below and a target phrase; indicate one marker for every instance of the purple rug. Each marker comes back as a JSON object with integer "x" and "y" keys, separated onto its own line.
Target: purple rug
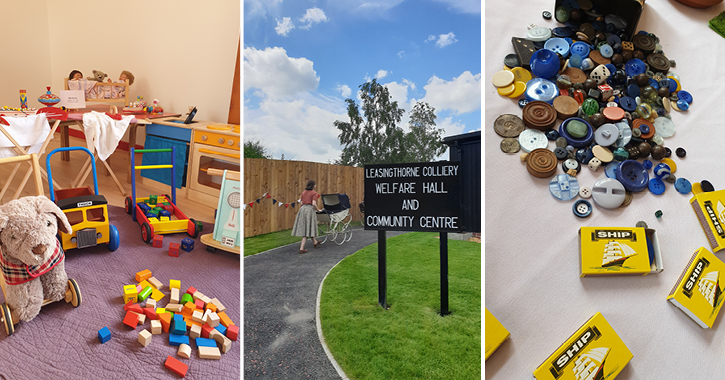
{"x": 62, "y": 341}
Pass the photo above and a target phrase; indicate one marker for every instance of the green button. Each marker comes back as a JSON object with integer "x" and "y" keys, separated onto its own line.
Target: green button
{"x": 576, "y": 129}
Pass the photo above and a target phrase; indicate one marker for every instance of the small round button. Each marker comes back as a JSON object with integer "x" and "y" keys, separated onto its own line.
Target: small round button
{"x": 204, "y": 138}
{"x": 511, "y": 61}
{"x": 683, "y": 186}
{"x": 608, "y": 193}
{"x": 585, "y": 192}
{"x": 546, "y": 15}
{"x": 571, "y": 164}
{"x": 680, "y": 152}
{"x": 684, "y": 95}
{"x": 662, "y": 171}
{"x": 627, "y": 103}
{"x": 582, "y": 208}
{"x": 656, "y": 186}
{"x": 580, "y": 48}
{"x": 560, "y": 153}
{"x": 564, "y": 187}
{"x": 503, "y": 78}
{"x": 557, "y": 45}
{"x": 221, "y": 140}
{"x": 647, "y": 164}
{"x": 707, "y": 186}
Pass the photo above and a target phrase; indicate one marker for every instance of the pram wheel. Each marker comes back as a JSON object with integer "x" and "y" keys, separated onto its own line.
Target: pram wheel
{"x": 7, "y": 319}
{"x": 75, "y": 293}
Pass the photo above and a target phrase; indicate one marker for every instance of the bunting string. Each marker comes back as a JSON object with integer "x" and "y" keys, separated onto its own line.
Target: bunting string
{"x": 274, "y": 202}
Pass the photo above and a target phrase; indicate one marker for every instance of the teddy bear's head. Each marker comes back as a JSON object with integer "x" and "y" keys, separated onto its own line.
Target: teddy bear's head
{"x": 99, "y": 76}
{"x": 28, "y": 228}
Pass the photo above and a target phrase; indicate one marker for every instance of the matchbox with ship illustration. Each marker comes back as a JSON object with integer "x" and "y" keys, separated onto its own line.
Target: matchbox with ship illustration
{"x": 699, "y": 292}
{"x": 619, "y": 251}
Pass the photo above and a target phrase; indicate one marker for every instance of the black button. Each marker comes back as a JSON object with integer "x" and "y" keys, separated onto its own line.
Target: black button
{"x": 546, "y": 15}
{"x": 668, "y": 152}
{"x": 560, "y": 153}
{"x": 680, "y": 152}
{"x": 511, "y": 61}
{"x": 706, "y": 186}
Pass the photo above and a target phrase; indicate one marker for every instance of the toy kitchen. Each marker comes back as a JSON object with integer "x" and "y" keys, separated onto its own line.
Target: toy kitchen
{"x": 201, "y": 145}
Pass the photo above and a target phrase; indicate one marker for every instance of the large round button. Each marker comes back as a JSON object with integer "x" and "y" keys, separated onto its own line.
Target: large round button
{"x": 539, "y": 115}
{"x": 625, "y": 134}
{"x": 580, "y": 48}
{"x": 664, "y": 127}
{"x": 541, "y": 163}
{"x": 584, "y": 141}
{"x": 683, "y": 186}
{"x": 541, "y": 89}
{"x": 608, "y": 193}
{"x": 503, "y": 78}
{"x": 606, "y": 135}
{"x": 582, "y": 208}
{"x": 531, "y": 139}
{"x": 632, "y": 175}
{"x": 539, "y": 33}
{"x": 564, "y": 187}
{"x": 544, "y": 63}
{"x": 656, "y": 186}
{"x": 557, "y": 45}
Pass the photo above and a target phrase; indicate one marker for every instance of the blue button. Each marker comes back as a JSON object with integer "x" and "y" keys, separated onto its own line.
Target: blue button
{"x": 683, "y": 105}
{"x": 612, "y": 69}
{"x": 613, "y": 39}
{"x": 580, "y": 48}
{"x": 611, "y": 170}
{"x": 577, "y": 142}
{"x": 541, "y": 89}
{"x": 656, "y": 186}
{"x": 647, "y": 164}
{"x": 606, "y": 51}
{"x": 662, "y": 171}
{"x": 664, "y": 83}
{"x": 627, "y": 103}
{"x": 644, "y": 128}
{"x": 523, "y": 102}
{"x": 582, "y": 208}
{"x": 557, "y": 45}
{"x": 632, "y": 175}
{"x": 633, "y": 90}
{"x": 684, "y": 95}
{"x": 544, "y": 63}
{"x": 634, "y": 66}
{"x": 683, "y": 186}
{"x": 564, "y": 187}
{"x": 551, "y": 134}
{"x": 655, "y": 84}
{"x": 562, "y": 31}
{"x": 673, "y": 85}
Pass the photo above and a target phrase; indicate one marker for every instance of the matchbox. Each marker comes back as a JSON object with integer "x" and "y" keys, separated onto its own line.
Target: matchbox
{"x": 698, "y": 292}
{"x": 495, "y": 334}
{"x": 619, "y": 251}
{"x": 595, "y": 351}
{"x": 710, "y": 210}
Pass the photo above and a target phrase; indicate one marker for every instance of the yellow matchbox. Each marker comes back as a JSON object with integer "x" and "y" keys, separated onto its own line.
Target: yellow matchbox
{"x": 495, "y": 333}
{"x": 608, "y": 251}
{"x": 710, "y": 211}
{"x": 595, "y": 351}
{"x": 698, "y": 292}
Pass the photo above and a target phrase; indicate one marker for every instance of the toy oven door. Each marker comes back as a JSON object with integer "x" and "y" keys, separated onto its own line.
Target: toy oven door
{"x": 209, "y": 156}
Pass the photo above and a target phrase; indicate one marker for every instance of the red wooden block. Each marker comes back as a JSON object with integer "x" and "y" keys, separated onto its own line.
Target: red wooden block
{"x": 127, "y": 305}
{"x": 176, "y": 366}
{"x": 131, "y": 320}
{"x": 173, "y": 249}
{"x": 150, "y": 313}
{"x": 205, "y": 330}
{"x": 199, "y": 304}
{"x": 135, "y": 308}
{"x": 191, "y": 290}
{"x": 158, "y": 241}
{"x": 233, "y": 332}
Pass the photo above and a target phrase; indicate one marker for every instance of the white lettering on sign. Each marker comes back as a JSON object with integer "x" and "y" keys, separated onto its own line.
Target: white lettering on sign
{"x": 410, "y": 204}
{"x": 434, "y": 188}
{"x": 440, "y": 171}
{"x": 85, "y": 204}
{"x": 450, "y": 222}
{"x": 389, "y": 221}
{"x": 392, "y": 172}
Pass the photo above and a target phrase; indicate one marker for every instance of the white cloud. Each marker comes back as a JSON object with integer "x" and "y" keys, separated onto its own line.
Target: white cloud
{"x": 313, "y": 16}
{"x": 284, "y": 27}
{"x": 443, "y": 40}
{"x": 460, "y": 95}
{"x": 399, "y": 93}
{"x": 401, "y": 54}
{"x": 260, "y": 8}
{"x": 463, "y": 6}
{"x": 345, "y": 91}
{"x": 365, "y": 7}
{"x": 409, "y": 83}
{"x": 381, "y": 74}
{"x": 276, "y": 75}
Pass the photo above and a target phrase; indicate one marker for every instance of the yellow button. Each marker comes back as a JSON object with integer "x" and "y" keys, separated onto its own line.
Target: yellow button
{"x": 697, "y": 188}
{"x": 506, "y": 91}
{"x": 503, "y": 78}
{"x": 676, "y": 81}
{"x": 670, "y": 163}
{"x": 521, "y": 74}
{"x": 520, "y": 87}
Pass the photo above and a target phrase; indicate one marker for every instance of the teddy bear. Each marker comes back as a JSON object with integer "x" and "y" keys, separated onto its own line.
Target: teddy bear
{"x": 98, "y": 76}
{"x": 31, "y": 256}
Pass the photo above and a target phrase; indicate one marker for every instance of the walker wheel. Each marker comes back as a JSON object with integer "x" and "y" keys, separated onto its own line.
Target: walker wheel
{"x": 75, "y": 293}
{"x": 7, "y": 319}
{"x": 129, "y": 205}
{"x": 146, "y": 234}
{"x": 197, "y": 226}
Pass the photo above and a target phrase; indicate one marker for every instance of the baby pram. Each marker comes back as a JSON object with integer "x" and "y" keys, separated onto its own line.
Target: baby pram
{"x": 334, "y": 221}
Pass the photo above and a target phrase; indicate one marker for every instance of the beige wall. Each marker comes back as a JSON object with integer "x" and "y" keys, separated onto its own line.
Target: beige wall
{"x": 181, "y": 52}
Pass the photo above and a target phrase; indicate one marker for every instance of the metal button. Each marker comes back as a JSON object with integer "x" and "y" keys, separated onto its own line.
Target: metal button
{"x": 608, "y": 193}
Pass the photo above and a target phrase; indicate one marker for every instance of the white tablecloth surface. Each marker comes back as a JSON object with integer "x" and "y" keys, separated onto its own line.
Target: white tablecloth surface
{"x": 532, "y": 282}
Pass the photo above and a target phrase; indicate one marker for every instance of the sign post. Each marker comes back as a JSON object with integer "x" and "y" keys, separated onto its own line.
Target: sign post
{"x": 422, "y": 196}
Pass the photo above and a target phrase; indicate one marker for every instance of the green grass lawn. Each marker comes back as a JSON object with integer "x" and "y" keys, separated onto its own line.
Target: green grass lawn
{"x": 261, "y": 243}
{"x": 410, "y": 340}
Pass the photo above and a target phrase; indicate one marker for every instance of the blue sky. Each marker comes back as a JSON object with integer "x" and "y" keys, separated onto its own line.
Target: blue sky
{"x": 303, "y": 58}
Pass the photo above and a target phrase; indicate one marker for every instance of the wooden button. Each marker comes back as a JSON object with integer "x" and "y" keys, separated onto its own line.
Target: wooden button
{"x": 613, "y": 113}
{"x": 565, "y": 107}
{"x": 644, "y": 43}
{"x": 541, "y": 163}
{"x": 658, "y": 62}
{"x": 598, "y": 59}
{"x": 508, "y": 125}
{"x": 539, "y": 115}
{"x": 575, "y": 75}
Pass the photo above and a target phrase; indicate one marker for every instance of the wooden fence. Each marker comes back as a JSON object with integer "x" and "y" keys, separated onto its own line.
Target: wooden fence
{"x": 284, "y": 181}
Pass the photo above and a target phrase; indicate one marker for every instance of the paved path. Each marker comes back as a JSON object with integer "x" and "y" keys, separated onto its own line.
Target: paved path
{"x": 280, "y": 292}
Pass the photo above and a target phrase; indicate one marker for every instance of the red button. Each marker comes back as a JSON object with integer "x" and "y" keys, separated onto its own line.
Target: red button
{"x": 613, "y": 113}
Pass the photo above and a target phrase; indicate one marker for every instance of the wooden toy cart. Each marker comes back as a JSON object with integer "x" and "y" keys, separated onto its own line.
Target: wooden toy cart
{"x": 73, "y": 294}
{"x": 86, "y": 210}
{"x": 178, "y": 222}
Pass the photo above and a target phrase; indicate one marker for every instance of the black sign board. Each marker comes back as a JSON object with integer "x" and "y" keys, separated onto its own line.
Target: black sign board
{"x": 413, "y": 197}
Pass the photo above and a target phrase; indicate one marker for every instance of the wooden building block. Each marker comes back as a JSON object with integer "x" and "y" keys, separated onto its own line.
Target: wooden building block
{"x": 209, "y": 353}
{"x": 174, "y": 284}
{"x": 213, "y": 319}
{"x": 176, "y": 366}
{"x": 206, "y": 300}
{"x": 199, "y": 304}
{"x": 205, "y": 330}
{"x": 141, "y": 317}
{"x": 197, "y": 315}
{"x": 158, "y": 241}
{"x": 154, "y": 282}
{"x": 143, "y": 275}
{"x": 144, "y": 337}
{"x": 195, "y": 331}
{"x": 205, "y": 316}
{"x": 150, "y": 302}
{"x": 178, "y": 340}
{"x": 225, "y": 345}
{"x": 136, "y": 308}
{"x": 197, "y": 295}
{"x": 188, "y": 309}
{"x": 175, "y": 307}
{"x": 150, "y": 313}
{"x": 224, "y": 319}
{"x": 104, "y": 335}
{"x": 174, "y": 249}
{"x": 218, "y": 304}
{"x": 191, "y": 290}
{"x": 165, "y": 319}
{"x": 232, "y": 332}
{"x": 157, "y": 295}
{"x": 211, "y": 306}
{"x": 129, "y": 293}
{"x": 175, "y": 295}
{"x": 131, "y": 319}
{"x": 156, "y": 327}
{"x": 184, "y": 351}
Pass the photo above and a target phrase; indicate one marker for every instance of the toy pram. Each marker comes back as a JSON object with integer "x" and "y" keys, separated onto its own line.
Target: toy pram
{"x": 334, "y": 220}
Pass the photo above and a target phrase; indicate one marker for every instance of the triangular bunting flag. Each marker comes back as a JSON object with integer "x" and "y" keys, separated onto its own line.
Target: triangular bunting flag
{"x": 251, "y": 204}
{"x": 274, "y": 201}
{"x": 269, "y": 196}
{"x": 244, "y": 206}
{"x": 265, "y": 194}
{"x": 286, "y": 205}
{"x": 258, "y": 200}
{"x": 293, "y": 205}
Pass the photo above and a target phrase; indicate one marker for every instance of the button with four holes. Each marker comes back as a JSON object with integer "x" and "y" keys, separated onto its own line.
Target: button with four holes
{"x": 585, "y": 192}
{"x": 582, "y": 208}
{"x": 656, "y": 186}
{"x": 633, "y": 175}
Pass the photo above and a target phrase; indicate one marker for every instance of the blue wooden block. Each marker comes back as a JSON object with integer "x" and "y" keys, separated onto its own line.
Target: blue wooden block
{"x": 104, "y": 335}
{"x": 164, "y": 213}
{"x": 177, "y": 340}
{"x": 187, "y": 244}
{"x": 221, "y": 329}
{"x": 144, "y": 206}
{"x": 205, "y": 342}
{"x": 178, "y": 328}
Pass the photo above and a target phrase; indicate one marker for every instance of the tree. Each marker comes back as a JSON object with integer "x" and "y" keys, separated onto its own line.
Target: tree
{"x": 255, "y": 149}
{"x": 375, "y": 136}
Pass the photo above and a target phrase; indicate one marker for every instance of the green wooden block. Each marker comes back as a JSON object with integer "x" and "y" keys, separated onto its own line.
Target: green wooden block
{"x": 187, "y": 298}
{"x": 153, "y": 199}
{"x": 145, "y": 293}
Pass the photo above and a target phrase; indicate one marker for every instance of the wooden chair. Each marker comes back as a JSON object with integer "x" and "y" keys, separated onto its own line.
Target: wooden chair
{"x": 52, "y": 113}
{"x": 123, "y": 100}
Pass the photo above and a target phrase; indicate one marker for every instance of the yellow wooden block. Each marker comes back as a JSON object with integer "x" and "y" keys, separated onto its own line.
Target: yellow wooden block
{"x": 153, "y": 220}
{"x": 164, "y": 218}
{"x": 224, "y": 319}
{"x": 160, "y": 310}
{"x": 129, "y": 293}
{"x": 174, "y": 284}
{"x": 143, "y": 275}
{"x": 144, "y": 284}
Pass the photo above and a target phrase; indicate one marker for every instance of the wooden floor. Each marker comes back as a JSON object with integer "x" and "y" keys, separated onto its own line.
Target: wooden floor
{"x": 65, "y": 172}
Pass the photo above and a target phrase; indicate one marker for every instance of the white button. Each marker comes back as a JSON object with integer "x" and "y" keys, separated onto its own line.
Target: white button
{"x": 538, "y": 33}
{"x": 606, "y": 134}
{"x": 531, "y": 139}
{"x": 664, "y": 127}
{"x": 608, "y": 193}
{"x": 585, "y": 192}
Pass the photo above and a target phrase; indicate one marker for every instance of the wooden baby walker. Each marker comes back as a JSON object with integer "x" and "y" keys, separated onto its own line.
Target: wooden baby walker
{"x": 73, "y": 294}
{"x": 150, "y": 223}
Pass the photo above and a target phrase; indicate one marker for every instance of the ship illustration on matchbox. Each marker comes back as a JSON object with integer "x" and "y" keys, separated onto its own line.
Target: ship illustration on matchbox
{"x": 710, "y": 211}
{"x": 619, "y": 251}
{"x": 699, "y": 290}
{"x": 594, "y": 352}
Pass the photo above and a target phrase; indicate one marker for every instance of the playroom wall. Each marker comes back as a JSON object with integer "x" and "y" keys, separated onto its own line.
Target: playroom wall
{"x": 181, "y": 52}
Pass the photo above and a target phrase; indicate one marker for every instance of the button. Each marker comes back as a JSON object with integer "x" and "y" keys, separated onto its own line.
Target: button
{"x": 611, "y": 170}
{"x": 576, "y": 129}
{"x": 538, "y": 33}
{"x": 565, "y": 107}
{"x": 523, "y": 102}
{"x": 531, "y": 139}
{"x": 707, "y": 186}
{"x": 671, "y": 164}
{"x": 230, "y": 142}
{"x": 571, "y": 164}
{"x": 511, "y": 61}
{"x": 680, "y": 152}
{"x": 635, "y": 66}
{"x": 544, "y": 63}
{"x": 510, "y": 145}
{"x": 541, "y": 163}
{"x": 508, "y": 125}
{"x": 674, "y": 84}
{"x": 585, "y": 192}
{"x": 633, "y": 90}
{"x": 658, "y": 152}
{"x": 561, "y": 142}
{"x": 203, "y": 138}
{"x": 602, "y": 153}
{"x": 668, "y": 151}
{"x": 657, "y": 139}
{"x": 632, "y": 175}
{"x": 627, "y": 103}
{"x": 664, "y": 127}
{"x": 662, "y": 171}
{"x": 580, "y": 48}
{"x": 684, "y": 95}
{"x": 503, "y": 78}
{"x": 557, "y": 45}
{"x": 656, "y": 186}
{"x": 625, "y": 134}
{"x": 564, "y": 187}
{"x": 671, "y": 178}
{"x": 608, "y": 193}
{"x": 606, "y": 135}
{"x": 575, "y": 75}
{"x": 628, "y": 195}
{"x": 683, "y": 186}
{"x": 583, "y": 155}
{"x": 612, "y": 39}
{"x": 541, "y": 89}
{"x": 562, "y": 31}
{"x": 582, "y": 208}
{"x": 606, "y": 51}
{"x": 221, "y": 140}
{"x": 552, "y": 134}
{"x": 613, "y": 113}
{"x": 683, "y": 105}
{"x": 539, "y": 115}
{"x": 647, "y": 164}
{"x": 561, "y": 153}
{"x": 546, "y": 15}
{"x": 696, "y": 188}
{"x": 507, "y": 90}
{"x": 574, "y": 141}
{"x": 521, "y": 74}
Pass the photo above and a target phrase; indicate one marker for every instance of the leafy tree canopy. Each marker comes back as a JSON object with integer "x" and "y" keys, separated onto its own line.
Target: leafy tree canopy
{"x": 255, "y": 149}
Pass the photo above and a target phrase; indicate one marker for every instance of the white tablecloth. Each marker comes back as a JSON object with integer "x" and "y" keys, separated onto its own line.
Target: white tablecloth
{"x": 532, "y": 282}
